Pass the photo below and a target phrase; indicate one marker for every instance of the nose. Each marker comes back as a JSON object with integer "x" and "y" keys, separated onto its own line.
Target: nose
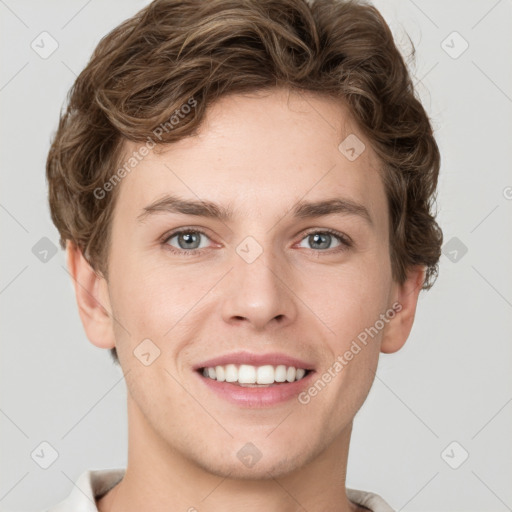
{"x": 259, "y": 293}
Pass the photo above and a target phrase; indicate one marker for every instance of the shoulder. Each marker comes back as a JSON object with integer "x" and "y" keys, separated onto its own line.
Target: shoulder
{"x": 370, "y": 500}
{"x": 89, "y": 487}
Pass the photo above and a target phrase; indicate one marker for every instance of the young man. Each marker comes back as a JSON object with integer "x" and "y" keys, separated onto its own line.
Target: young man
{"x": 244, "y": 191}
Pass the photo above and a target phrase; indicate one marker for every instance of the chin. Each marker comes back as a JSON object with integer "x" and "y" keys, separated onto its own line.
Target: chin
{"x": 247, "y": 462}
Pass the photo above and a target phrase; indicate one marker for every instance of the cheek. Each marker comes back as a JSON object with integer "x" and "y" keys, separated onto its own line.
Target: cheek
{"x": 141, "y": 303}
{"x": 354, "y": 314}
{"x": 147, "y": 296}
{"x": 152, "y": 301}
{"x": 349, "y": 298}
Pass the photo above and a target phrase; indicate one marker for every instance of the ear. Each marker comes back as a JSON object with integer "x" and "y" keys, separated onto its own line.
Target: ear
{"x": 406, "y": 297}
{"x": 92, "y": 298}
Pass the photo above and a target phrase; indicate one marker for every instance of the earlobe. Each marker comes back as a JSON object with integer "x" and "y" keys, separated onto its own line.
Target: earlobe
{"x": 406, "y": 298}
{"x": 91, "y": 291}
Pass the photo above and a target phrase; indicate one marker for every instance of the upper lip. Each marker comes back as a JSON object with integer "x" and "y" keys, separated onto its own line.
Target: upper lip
{"x": 273, "y": 358}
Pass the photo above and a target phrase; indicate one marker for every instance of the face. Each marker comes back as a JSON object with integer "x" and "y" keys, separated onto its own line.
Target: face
{"x": 267, "y": 278}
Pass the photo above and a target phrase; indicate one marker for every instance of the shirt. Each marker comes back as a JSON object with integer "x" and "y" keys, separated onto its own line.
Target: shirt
{"x": 93, "y": 484}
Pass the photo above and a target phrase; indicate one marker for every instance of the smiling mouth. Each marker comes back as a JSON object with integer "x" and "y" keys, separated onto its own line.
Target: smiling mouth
{"x": 254, "y": 376}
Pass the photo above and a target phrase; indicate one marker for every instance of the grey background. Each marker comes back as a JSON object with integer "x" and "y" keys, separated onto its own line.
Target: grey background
{"x": 451, "y": 382}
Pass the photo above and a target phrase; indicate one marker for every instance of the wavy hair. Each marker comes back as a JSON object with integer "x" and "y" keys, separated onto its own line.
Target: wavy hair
{"x": 145, "y": 69}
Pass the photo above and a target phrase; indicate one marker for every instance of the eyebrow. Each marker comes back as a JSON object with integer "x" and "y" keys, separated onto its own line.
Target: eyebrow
{"x": 208, "y": 209}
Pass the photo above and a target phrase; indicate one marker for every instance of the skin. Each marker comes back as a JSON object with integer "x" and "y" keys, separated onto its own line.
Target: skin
{"x": 259, "y": 153}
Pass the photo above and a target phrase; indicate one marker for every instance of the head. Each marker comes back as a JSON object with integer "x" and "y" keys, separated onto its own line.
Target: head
{"x": 252, "y": 110}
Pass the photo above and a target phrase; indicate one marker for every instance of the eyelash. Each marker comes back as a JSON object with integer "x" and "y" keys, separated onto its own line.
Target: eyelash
{"x": 345, "y": 241}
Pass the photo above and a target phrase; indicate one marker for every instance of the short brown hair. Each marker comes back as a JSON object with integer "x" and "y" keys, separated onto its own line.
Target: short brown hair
{"x": 143, "y": 71}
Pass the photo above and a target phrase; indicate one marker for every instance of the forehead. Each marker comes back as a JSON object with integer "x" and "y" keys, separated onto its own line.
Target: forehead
{"x": 260, "y": 152}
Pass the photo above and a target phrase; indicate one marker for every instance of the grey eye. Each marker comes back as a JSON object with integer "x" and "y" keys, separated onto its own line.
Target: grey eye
{"x": 320, "y": 240}
{"x": 186, "y": 240}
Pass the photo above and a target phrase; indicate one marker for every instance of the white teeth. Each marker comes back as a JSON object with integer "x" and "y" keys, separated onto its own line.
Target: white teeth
{"x": 231, "y": 372}
{"x": 280, "y": 373}
{"x": 265, "y": 374}
{"x": 246, "y": 374}
{"x": 220, "y": 373}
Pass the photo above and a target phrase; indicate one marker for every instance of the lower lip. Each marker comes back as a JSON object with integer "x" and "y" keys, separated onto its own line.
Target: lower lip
{"x": 257, "y": 396}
